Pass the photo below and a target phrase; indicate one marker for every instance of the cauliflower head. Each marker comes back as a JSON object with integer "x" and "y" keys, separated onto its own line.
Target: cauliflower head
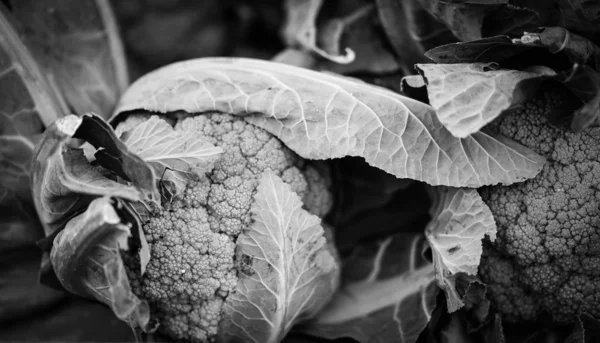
{"x": 546, "y": 258}
{"x": 193, "y": 266}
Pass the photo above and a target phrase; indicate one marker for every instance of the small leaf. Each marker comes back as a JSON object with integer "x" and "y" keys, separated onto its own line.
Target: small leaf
{"x": 87, "y": 259}
{"x": 299, "y": 29}
{"x": 388, "y": 294}
{"x": 290, "y": 273}
{"x": 460, "y": 220}
{"x": 466, "y": 97}
{"x": 323, "y": 116}
{"x": 179, "y": 155}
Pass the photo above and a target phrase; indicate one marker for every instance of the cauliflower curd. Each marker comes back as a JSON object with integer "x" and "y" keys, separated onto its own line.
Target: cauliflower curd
{"x": 546, "y": 258}
{"x": 193, "y": 265}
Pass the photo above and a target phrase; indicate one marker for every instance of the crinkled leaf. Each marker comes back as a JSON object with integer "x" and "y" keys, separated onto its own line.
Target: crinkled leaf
{"x": 466, "y": 97}
{"x": 289, "y": 272}
{"x": 64, "y": 182}
{"x": 86, "y": 257}
{"x": 299, "y": 29}
{"x": 411, "y": 30}
{"x": 585, "y": 330}
{"x": 460, "y": 220}
{"x": 559, "y": 40}
{"x": 388, "y": 293}
{"x": 469, "y": 21}
{"x": 178, "y": 156}
{"x": 78, "y": 45}
{"x": 485, "y": 50}
{"x": 322, "y": 116}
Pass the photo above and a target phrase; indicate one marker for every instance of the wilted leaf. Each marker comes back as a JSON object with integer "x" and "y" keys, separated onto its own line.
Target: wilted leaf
{"x": 466, "y": 97}
{"x": 322, "y": 116}
{"x": 300, "y": 29}
{"x": 460, "y": 220}
{"x": 178, "y": 156}
{"x": 388, "y": 294}
{"x": 87, "y": 259}
{"x": 77, "y": 44}
{"x": 485, "y": 50}
{"x": 360, "y": 32}
{"x": 290, "y": 272}
{"x": 64, "y": 182}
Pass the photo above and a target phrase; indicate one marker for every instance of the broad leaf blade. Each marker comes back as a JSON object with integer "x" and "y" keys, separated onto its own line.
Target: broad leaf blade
{"x": 77, "y": 44}
{"x": 388, "y": 294}
{"x": 322, "y": 116}
{"x": 87, "y": 259}
{"x": 179, "y": 156}
{"x": 460, "y": 220}
{"x": 466, "y": 97}
{"x": 290, "y": 273}
{"x": 485, "y": 50}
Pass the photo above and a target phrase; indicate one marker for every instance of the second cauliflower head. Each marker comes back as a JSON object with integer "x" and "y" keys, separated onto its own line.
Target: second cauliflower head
{"x": 193, "y": 265}
{"x": 546, "y": 258}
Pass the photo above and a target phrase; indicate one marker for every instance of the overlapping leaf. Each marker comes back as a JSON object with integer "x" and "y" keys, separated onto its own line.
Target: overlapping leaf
{"x": 77, "y": 44}
{"x": 177, "y": 156}
{"x": 466, "y": 97}
{"x": 388, "y": 293}
{"x": 322, "y": 116}
{"x": 290, "y": 271}
{"x": 86, "y": 258}
{"x": 460, "y": 220}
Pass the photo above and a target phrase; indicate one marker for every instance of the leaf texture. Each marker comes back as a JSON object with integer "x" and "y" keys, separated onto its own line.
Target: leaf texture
{"x": 86, "y": 258}
{"x": 175, "y": 155}
{"x": 466, "y": 97}
{"x": 289, "y": 273}
{"x": 460, "y": 220}
{"x": 388, "y": 294}
{"x": 322, "y": 116}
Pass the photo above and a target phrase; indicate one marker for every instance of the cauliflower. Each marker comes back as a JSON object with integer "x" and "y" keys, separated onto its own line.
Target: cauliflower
{"x": 546, "y": 259}
{"x": 193, "y": 265}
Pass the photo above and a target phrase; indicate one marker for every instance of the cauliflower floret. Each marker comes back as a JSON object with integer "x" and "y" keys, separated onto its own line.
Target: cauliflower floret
{"x": 192, "y": 267}
{"x": 548, "y": 227}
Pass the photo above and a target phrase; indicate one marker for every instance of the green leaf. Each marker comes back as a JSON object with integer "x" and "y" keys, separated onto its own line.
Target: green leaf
{"x": 87, "y": 259}
{"x": 460, "y": 220}
{"x": 388, "y": 293}
{"x": 78, "y": 46}
{"x": 323, "y": 116}
{"x": 466, "y": 97}
{"x": 299, "y": 29}
{"x": 485, "y": 50}
{"x": 288, "y": 272}
{"x": 64, "y": 182}
{"x": 177, "y": 156}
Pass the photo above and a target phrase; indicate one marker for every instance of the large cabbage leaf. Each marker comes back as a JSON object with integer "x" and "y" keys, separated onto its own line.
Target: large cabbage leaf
{"x": 77, "y": 44}
{"x": 460, "y": 221}
{"x": 322, "y": 116}
{"x": 288, "y": 271}
{"x": 388, "y": 293}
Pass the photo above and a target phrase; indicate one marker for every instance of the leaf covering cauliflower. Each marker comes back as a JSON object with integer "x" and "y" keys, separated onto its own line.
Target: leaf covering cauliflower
{"x": 193, "y": 266}
{"x": 546, "y": 258}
